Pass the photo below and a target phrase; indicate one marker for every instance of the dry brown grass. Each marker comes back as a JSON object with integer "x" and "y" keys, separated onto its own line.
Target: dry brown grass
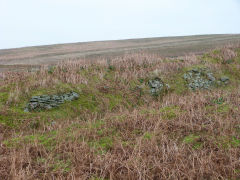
{"x": 166, "y": 46}
{"x": 183, "y": 135}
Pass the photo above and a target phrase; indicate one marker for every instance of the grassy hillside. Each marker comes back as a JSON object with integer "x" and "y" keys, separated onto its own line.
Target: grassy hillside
{"x": 117, "y": 129}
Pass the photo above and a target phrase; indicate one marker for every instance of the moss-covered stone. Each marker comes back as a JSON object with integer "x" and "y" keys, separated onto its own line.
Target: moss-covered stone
{"x": 157, "y": 86}
{"x": 42, "y": 102}
{"x": 199, "y": 78}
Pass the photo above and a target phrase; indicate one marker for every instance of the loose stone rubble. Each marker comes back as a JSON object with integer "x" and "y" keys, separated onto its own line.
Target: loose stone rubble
{"x": 157, "y": 86}
{"x": 202, "y": 78}
{"x": 224, "y": 79}
{"x": 44, "y": 102}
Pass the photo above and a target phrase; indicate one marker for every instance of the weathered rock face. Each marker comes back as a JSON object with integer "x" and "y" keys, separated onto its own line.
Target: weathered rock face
{"x": 43, "y": 102}
{"x": 157, "y": 86}
{"x": 202, "y": 78}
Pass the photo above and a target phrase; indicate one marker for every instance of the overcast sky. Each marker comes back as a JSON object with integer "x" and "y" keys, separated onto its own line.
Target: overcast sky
{"x": 40, "y": 22}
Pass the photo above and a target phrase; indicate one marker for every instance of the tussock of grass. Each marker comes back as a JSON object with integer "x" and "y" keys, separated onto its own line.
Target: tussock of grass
{"x": 116, "y": 129}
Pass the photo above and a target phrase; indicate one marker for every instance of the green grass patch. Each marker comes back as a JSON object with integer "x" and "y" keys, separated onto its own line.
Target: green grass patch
{"x": 167, "y": 112}
{"x": 223, "y": 108}
{"x": 102, "y": 145}
{"x": 62, "y": 166}
{"x": 170, "y": 112}
{"x": 3, "y": 98}
{"x": 227, "y": 142}
{"x": 147, "y": 135}
{"x": 114, "y": 101}
{"x": 212, "y": 59}
{"x": 98, "y": 124}
{"x": 150, "y": 111}
{"x": 220, "y": 108}
{"x": 56, "y": 165}
{"x": 15, "y": 114}
{"x": 193, "y": 140}
{"x": 48, "y": 140}
{"x": 177, "y": 83}
{"x": 109, "y": 75}
{"x": 218, "y": 101}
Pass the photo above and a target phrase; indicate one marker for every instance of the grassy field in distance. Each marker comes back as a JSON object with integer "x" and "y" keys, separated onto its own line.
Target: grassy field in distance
{"x": 12, "y": 59}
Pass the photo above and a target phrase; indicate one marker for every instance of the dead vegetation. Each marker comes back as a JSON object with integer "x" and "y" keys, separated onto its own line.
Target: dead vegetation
{"x": 116, "y": 130}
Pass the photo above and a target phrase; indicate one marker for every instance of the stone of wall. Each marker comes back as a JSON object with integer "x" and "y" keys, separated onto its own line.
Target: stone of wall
{"x": 43, "y": 102}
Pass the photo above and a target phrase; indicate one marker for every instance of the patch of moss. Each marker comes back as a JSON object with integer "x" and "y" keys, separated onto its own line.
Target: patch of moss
{"x": 138, "y": 132}
{"x": 167, "y": 112}
{"x": 232, "y": 71}
{"x": 235, "y": 142}
{"x": 102, "y": 145}
{"x": 195, "y": 66}
{"x": 209, "y": 58}
{"x": 193, "y": 140}
{"x": 177, "y": 83}
{"x": 120, "y": 118}
{"x": 218, "y": 101}
{"x": 115, "y": 100}
{"x": 227, "y": 142}
{"x": 147, "y": 135}
{"x": 149, "y": 111}
{"x": 170, "y": 112}
{"x": 126, "y": 143}
{"x": 97, "y": 124}
{"x": 7, "y": 121}
{"x": 56, "y": 165}
{"x": 238, "y": 129}
{"x": 64, "y": 87}
{"x": 111, "y": 68}
{"x": 238, "y": 56}
{"x": 3, "y": 98}
{"x": 12, "y": 142}
{"x": 87, "y": 101}
{"x": 221, "y": 109}
{"x": 109, "y": 75}
{"x": 135, "y": 83}
{"x": 61, "y": 166}
{"x": 48, "y": 140}
{"x": 41, "y": 160}
{"x": 11, "y": 118}
{"x": 216, "y": 57}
